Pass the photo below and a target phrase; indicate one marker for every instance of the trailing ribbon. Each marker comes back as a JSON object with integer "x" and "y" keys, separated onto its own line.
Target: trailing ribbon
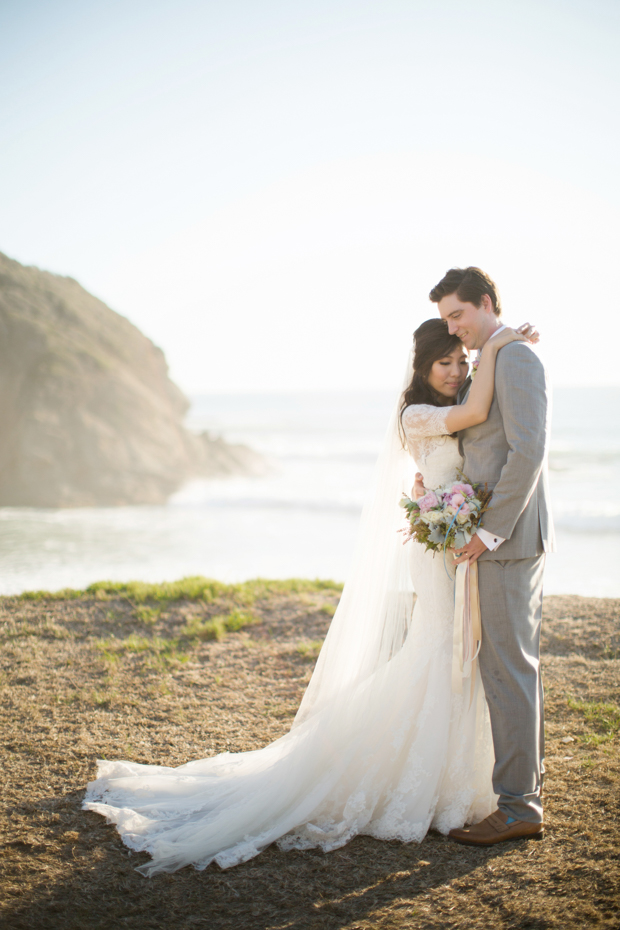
{"x": 467, "y": 633}
{"x": 445, "y": 542}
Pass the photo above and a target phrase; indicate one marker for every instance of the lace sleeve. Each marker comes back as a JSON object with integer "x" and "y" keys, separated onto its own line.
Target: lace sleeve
{"x": 423, "y": 420}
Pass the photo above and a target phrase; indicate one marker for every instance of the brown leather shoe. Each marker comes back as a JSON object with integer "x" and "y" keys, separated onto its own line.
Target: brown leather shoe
{"x": 494, "y": 829}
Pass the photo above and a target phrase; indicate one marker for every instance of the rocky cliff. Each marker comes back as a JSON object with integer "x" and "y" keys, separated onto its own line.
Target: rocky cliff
{"x": 88, "y": 414}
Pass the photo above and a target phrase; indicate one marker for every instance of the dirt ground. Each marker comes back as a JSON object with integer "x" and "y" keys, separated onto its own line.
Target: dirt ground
{"x": 165, "y": 678}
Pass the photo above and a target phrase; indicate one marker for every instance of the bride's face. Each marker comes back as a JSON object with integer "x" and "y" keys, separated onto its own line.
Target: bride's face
{"x": 448, "y": 373}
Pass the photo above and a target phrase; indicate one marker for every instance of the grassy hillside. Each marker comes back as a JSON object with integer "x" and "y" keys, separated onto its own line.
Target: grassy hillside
{"x": 168, "y": 673}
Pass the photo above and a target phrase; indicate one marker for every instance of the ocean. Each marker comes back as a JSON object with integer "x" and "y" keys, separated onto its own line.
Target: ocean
{"x": 301, "y": 520}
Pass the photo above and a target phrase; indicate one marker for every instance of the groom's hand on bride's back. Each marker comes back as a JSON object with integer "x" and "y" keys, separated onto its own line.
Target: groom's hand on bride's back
{"x": 418, "y": 489}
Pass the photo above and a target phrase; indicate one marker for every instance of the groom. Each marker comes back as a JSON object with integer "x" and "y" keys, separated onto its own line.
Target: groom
{"x": 508, "y": 452}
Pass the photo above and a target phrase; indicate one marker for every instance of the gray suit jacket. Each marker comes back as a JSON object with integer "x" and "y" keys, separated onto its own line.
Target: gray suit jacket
{"x": 509, "y": 452}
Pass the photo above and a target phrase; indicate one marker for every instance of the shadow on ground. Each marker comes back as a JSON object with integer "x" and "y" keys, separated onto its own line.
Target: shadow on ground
{"x": 293, "y": 890}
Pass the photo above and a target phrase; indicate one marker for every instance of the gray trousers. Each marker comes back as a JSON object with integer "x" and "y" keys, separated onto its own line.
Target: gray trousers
{"x": 511, "y": 608}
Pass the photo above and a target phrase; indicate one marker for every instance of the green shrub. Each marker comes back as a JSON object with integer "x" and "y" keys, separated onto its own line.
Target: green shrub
{"x": 192, "y": 588}
{"x": 158, "y": 649}
{"x": 603, "y": 720}
{"x": 217, "y": 627}
{"x": 310, "y": 650}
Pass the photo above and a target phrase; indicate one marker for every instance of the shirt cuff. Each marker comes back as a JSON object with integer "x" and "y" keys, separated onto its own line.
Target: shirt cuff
{"x": 490, "y": 541}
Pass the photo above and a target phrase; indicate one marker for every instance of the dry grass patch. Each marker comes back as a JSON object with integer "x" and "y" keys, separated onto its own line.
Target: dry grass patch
{"x": 174, "y": 672}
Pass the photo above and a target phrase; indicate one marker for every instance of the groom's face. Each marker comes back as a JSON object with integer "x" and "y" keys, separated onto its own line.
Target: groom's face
{"x": 473, "y": 325}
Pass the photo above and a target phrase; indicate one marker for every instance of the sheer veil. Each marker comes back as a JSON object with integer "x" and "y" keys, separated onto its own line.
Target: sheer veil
{"x": 317, "y": 784}
{"x": 375, "y": 609}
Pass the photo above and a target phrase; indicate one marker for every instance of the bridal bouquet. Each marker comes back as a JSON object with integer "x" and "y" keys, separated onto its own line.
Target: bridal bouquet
{"x": 447, "y": 516}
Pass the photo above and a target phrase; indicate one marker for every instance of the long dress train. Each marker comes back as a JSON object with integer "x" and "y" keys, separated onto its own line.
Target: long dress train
{"x": 390, "y": 754}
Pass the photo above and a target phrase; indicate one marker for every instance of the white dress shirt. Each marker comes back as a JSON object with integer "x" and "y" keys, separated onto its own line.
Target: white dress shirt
{"x": 489, "y": 539}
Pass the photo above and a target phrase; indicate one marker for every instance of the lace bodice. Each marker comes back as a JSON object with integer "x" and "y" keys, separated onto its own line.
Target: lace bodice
{"x": 435, "y": 451}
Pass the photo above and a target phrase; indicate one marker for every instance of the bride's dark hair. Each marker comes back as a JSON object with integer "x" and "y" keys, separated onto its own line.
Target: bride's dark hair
{"x": 431, "y": 341}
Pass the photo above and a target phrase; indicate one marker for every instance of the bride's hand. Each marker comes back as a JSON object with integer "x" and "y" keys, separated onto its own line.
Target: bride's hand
{"x": 524, "y": 333}
{"x": 529, "y": 331}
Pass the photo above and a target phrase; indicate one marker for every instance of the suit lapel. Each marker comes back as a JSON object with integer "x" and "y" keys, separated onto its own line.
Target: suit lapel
{"x": 463, "y": 392}
{"x": 461, "y": 398}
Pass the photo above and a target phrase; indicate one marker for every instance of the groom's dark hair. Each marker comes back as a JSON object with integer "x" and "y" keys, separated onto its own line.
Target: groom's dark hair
{"x": 469, "y": 284}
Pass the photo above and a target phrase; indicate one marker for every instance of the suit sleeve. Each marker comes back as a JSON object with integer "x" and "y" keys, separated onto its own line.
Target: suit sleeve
{"x": 522, "y": 397}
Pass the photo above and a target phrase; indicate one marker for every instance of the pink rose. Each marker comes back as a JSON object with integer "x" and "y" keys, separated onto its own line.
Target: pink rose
{"x": 465, "y": 508}
{"x": 465, "y": 489}
{"x": 428, "y": 501}
{"x": 456, "y": 500}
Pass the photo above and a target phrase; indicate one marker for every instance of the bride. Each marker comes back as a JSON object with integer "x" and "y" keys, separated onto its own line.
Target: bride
{"x": 381, "y": 745}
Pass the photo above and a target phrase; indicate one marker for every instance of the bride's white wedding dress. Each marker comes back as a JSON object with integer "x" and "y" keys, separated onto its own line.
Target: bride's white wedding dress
{"x": 387, "y": 754}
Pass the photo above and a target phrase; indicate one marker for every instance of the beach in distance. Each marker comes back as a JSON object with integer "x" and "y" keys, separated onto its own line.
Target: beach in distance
{"x": 301, "y": 519}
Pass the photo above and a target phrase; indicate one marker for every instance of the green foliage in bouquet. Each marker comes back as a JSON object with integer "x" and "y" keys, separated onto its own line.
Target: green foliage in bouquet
{"x": 447, "y": 516}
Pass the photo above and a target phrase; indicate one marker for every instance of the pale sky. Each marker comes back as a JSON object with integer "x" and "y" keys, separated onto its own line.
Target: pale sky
{"x": 270, "y": 189}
